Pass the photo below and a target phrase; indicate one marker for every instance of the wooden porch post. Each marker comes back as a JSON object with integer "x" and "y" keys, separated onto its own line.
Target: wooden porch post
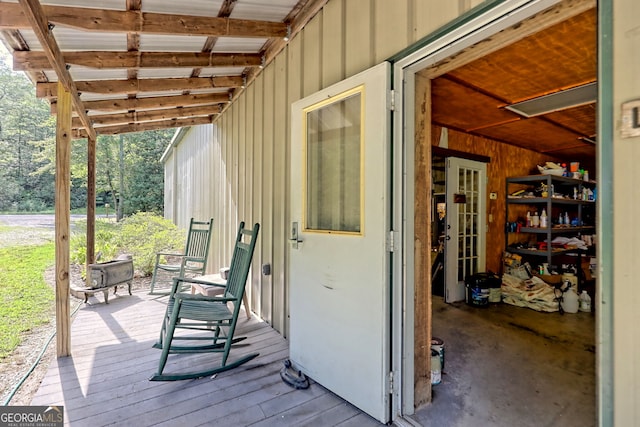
{"x": 63, "y": 219}
{"x": 91, "y": 201}
{"x": 422, "y": 231}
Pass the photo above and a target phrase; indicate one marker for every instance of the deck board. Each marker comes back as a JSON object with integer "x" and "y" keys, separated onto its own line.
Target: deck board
{"x": 106, "y": 380}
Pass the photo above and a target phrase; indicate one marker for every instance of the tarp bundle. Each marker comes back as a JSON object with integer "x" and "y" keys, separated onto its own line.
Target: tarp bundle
{"x": 533, "y": 293}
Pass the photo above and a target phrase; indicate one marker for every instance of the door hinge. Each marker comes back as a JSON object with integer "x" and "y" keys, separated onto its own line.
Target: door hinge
{"x": 390, "y": 384}
{"x": 391, "y": 241}
{"x": 392, "y": 100}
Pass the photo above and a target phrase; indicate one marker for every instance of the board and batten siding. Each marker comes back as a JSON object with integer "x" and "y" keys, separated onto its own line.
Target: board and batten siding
{"x": 188, "y": 178}
{"x": 251, "y": 138}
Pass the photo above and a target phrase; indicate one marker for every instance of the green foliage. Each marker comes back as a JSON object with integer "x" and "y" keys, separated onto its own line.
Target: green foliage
{"x": 141, "y": 235}
{"x": 26, "y": 127}
{"x": 26, "y": 301}
{"x": 27, "y": 164}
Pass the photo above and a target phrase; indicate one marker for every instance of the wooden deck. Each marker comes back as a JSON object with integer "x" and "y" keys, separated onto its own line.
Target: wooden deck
{"x": 106, "y": 381}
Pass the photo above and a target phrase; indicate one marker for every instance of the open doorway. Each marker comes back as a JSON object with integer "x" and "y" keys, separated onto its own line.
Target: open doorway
{"x": 466, "y": 94}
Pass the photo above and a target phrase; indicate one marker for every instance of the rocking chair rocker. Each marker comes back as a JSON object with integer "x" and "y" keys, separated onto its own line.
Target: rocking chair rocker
{"x": 207, "y": 313}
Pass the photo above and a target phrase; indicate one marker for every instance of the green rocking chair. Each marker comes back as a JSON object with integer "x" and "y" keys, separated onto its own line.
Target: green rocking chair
{"x": 207, "y": 313}
{"x": 194, "y": 259}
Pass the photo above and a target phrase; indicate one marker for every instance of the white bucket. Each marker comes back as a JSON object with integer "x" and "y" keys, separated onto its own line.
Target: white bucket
{"x": 436, "y": 369}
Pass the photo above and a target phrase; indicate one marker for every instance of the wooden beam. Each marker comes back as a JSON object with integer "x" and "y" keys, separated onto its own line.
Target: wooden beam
{"x": 36, "y": 60}
{"x": 12, "y": 17}
{"x": 91, "y": 204}
{"x": 133, "y": 39}
{"x": 40, "y": 25}
{"x": 422, "y": 243}
{"x": 63, "y": 223}
{"x": 144, "y": 85}
{"x": 146, "y": 116}
{"x": 152, "y": 103}
{"x": 142, "y": 127}
{"x": 225, "y": 11}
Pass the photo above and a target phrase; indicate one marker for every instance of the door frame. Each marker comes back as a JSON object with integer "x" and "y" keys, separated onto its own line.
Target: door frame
{"x": 480, "y": 23}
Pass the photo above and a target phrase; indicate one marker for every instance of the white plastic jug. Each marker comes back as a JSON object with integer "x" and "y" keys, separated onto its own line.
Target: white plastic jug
{"x": 570, "y": 301}
{"x": 585, "y": 302}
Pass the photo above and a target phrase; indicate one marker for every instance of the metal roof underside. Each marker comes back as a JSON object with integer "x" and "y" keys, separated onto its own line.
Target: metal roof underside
{"x": 148, "y": 64}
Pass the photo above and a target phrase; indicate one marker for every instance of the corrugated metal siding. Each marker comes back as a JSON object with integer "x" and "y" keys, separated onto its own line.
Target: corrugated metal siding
{"x": 251, "y": 140}
{"x": 189, "y": 176}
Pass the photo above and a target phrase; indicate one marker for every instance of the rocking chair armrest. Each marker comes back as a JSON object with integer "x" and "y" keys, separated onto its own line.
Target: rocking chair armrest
{"x": 186, "y": 259}
{"x": 199, "y": 297}
{"x": 199, "y": 281}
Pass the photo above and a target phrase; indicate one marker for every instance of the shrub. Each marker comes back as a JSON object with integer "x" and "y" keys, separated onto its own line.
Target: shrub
{"x": 140, "y": 235}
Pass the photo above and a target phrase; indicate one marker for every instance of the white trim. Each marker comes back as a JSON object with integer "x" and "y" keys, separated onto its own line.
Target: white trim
{"x": 468, "y": 33}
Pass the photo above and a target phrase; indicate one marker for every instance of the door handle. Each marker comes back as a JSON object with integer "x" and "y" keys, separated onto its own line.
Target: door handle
{"x": 295, "y": 239}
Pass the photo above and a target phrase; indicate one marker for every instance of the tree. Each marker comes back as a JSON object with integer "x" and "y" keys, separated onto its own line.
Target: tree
{"x": 27, "y": 160}
{"x": 25, "y": 125}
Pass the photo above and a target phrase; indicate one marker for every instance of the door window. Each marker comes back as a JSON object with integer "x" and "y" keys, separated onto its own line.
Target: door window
{"x": 333, "y": 151}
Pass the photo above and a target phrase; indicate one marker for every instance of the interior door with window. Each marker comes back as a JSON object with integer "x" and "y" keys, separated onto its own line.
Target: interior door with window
{"x": 466, "y": 224}
{"x": 339, "y": 260}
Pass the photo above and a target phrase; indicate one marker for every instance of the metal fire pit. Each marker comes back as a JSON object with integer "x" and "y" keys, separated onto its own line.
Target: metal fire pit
{"x": 107, "y": 275}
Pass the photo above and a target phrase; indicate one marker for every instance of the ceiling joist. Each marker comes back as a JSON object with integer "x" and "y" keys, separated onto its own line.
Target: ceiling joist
{"x": 147, "y": 116}
{"x": 36, "y": 61}
{"x": 13, "y": 18}
{"x": 142, "y": 127}
{"x": 152, "y": 103}
{"x": 133, "y": 86}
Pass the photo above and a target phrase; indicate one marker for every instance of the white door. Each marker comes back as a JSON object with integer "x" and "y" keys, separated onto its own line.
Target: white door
{"x": 339, "y": 260}
{"x": 466, "y": 224}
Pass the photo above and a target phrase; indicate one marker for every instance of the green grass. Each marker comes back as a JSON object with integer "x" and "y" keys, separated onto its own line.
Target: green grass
{"x": 26, "y": 301}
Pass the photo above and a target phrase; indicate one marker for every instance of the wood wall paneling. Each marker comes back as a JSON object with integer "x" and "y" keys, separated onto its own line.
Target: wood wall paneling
{"x": 506, "y": 160}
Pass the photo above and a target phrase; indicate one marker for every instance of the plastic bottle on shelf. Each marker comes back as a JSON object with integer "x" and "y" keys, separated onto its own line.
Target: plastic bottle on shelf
{"x": 567, "y": 221}
{"x": 543, "y": 219}
{"x": 560, "y": 219}
{"x": 528, "y": 219}
{"x": 585, "y": 302}
{"x": 535, "y": 220}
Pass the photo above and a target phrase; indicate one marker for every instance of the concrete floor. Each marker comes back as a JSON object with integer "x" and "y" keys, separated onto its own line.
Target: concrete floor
{"x": 511, "y": 366}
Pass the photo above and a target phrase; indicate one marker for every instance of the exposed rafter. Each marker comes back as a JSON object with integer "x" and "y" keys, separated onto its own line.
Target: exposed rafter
{"x": 144, "y": 85}
{"x": 38, "y": 21}
{"x": 36, "y": 61}
{"x": 151, "y": 103}
{"x": 151, "y": 115}
{"x": 141, "y": 127}
{"x": 13, "y": 17}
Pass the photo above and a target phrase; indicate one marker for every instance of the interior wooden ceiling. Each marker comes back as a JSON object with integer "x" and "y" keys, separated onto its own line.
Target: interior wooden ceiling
{"x": 472, "y": 98}
{"x": 136, "y": 65}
